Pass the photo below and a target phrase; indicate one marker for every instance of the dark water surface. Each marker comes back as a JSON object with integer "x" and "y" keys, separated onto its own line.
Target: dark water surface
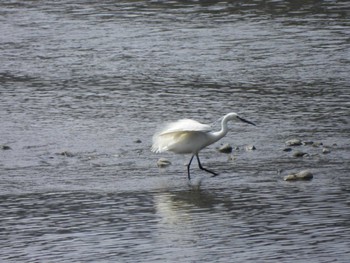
{"x": 83, "y": 86}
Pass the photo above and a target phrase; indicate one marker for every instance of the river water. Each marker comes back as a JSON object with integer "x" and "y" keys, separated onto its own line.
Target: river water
{"x": 85, "y": 84}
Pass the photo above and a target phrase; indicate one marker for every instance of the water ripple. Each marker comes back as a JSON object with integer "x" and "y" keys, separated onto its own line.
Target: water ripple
{"x": 84, "y": 85}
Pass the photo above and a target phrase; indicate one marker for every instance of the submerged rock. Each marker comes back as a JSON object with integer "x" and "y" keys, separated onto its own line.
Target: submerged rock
{"x": 287, "y": 149}
{"x": 162, "y": 162}
{"x": 231, "y": 157}
{"x": 293, "y": 142}
{"x": 226, "y": 148}
{"x": 317, "y": 144}
{"x": 66, "y": 154}
{"x": 302, "y": 175}
{"x": 308, "y": 142}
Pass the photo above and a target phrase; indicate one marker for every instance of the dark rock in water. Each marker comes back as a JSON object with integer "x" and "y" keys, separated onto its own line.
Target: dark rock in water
{"x": 250, "y": 148}
{"x": 162, "y": 162}
{"x": 5, "y": 147}
{"x": 299, "y": 154}
{"x": 138, "y": 141}
{"x": 326, "y": 150}
{"x": 293, "y": 142}
{"x": 287, "y": 149}
{"x": 302, "y": 175}
{"x": 226, "y": 148}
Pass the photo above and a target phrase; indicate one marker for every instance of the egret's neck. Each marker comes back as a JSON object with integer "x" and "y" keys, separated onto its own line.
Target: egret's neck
{"x": 224, "y": 129}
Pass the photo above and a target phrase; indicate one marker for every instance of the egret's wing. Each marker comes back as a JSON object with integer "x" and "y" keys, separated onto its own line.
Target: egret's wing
{"x": 185, "y": 125}
{"x": 164, "y": 142}
{"x": 174, "y": 132}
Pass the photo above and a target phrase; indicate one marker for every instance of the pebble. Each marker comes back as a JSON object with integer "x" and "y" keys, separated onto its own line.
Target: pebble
{"x": 162, "y": 162}
{"x": 299, "y": 154}
{"x": 326, "y": 150}
{"x": 226, "y": 148}
{"x": 293, "y": 142}
{"x": 250, "y": 148}
{"x": 302, "y": 175}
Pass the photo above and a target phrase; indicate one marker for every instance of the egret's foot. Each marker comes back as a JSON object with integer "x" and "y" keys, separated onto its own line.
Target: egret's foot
{"x": 209, "y": 171}
{"x": 189, "y": 183}
{"x": 196, "y": 183}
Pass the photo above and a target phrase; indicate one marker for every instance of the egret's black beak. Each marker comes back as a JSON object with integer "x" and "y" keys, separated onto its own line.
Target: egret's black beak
{"x": 244, "y": 120}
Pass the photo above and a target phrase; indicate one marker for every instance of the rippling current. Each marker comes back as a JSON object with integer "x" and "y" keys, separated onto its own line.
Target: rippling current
{"x": 85, "y": 84}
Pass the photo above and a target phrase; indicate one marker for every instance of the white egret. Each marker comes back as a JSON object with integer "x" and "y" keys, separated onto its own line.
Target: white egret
{"x": 188, "y": 136}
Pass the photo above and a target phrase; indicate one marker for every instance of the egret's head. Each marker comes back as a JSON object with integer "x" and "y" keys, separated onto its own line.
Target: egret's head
{"x": 234, "y": 117}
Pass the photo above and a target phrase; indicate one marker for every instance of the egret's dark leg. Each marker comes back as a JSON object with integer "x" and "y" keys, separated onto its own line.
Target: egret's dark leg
{"x": 202, "y": 168}
{"x": 188, "y": 168}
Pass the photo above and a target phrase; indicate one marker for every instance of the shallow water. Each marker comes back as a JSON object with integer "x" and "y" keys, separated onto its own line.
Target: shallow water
{"x": 84, "y": 85}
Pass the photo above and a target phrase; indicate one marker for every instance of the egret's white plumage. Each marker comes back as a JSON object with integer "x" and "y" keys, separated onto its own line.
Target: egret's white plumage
{"x": 180, "y": 136}
{"x": 185, "y": 125}
{"x": 188, "y": 136}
